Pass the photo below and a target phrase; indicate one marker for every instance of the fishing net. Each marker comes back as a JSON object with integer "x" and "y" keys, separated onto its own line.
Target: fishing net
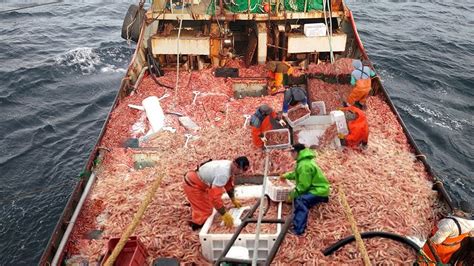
{"x": 298, "y": 5}
{"x": 238, "y": 6}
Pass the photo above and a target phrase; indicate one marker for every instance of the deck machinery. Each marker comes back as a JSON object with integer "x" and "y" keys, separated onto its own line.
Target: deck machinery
{"x": 209, "y": 32}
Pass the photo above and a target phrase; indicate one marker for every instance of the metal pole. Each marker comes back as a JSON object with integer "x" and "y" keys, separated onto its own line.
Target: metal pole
{"x": 260, "y": 210}
{"x": 70, "y": 226}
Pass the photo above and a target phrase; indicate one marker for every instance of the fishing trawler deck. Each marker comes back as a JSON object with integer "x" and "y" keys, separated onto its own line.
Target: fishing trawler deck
{"x": 388, "y": 185}
{"x": 387, "y": 188}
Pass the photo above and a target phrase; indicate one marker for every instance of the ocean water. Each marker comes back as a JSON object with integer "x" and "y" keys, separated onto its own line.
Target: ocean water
{"x": 61, "y": 66}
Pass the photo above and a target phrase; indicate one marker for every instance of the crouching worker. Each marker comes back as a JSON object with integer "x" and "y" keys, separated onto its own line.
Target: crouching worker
{"x": 262, "y": 120}
{"x": 357, "y": 126}
{"x": 278, "y": 75}
{"x": 292, "y": 97}
{"x": 452, "y": 239}
{"x": 312, "y": 187}
{"x": 205, "y": 186}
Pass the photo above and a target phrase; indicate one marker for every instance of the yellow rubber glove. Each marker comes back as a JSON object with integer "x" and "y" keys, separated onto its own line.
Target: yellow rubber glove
{"x": 289, "y": 200}
{"x": 228, "y": 220}
{"x": 340, "y": 136}
{"x": 236, "y": 203}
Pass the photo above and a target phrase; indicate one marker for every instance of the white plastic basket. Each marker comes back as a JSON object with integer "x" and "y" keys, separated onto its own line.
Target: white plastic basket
{"x": 281, "y": 145}
{"x": 278, "y": 193}
{"x": 299, "y": 120}
{"x": 212, "y": 245}
{"x": 314, "y": 29}
{"x": 318, "y": 108}
{"x": 339, "y": 118}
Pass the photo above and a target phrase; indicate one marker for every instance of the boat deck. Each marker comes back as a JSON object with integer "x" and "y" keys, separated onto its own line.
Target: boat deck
{"x": 387, "y": 188}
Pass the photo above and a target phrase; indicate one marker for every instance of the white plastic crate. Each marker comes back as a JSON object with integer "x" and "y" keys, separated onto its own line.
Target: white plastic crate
{"x": 314, "y": 29}
{"x": 212, "y": 245}
{"x": 278, "y": 146}
{"x": 277, "y": 193}
{"x": 299, "y": 120}
{"x": 339, "y": 118}
{"x": 318, "y": 108}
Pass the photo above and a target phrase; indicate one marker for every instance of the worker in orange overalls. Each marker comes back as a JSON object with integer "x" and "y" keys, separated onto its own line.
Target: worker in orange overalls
{"x": 361, "y": 79}
{"x": 278, "y": 75}
{"x": 452, "y": 239}
{"x": 205, "y": 186}
{"x": 262, "y": 120}
{"x": 358, "y": 128}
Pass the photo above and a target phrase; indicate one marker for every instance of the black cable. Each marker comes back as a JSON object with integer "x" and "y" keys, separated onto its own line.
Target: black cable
{"x": 334, "y": 247}
{"x": 153, "y": 67}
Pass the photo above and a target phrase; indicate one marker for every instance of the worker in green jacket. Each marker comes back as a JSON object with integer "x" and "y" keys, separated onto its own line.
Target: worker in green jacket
{"x": 312, "y": 187}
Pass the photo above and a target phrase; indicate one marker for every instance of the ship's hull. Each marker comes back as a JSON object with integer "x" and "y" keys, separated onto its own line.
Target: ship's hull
{"x": 132, "y": 79}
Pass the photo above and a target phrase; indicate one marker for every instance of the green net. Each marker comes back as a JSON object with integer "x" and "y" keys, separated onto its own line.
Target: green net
{"x": 298, "y": 5}
{"x": 238, "y": 6}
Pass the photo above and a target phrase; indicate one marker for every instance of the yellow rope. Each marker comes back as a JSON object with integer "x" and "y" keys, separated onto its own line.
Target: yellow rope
{"x": 136, "y": 220}
{"x": 355, "y": 231}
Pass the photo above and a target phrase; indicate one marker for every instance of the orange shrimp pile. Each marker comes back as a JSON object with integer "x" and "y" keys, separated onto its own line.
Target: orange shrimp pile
{"x": 386, "y": 187}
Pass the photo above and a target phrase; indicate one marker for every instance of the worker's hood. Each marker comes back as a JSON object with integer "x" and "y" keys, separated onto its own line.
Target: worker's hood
{"x": 357, "y": 64}
{"x": 306, "y": 154}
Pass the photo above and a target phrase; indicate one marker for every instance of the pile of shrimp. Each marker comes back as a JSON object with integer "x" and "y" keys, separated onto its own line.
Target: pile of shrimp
{"x": 387, "y": 188}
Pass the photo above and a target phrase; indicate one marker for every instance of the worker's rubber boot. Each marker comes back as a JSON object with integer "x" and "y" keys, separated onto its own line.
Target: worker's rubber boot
{"x": 195, "y": 226}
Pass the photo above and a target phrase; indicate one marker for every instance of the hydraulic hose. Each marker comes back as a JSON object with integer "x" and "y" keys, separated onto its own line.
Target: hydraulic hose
{"x": 154, "y": 68}
{"x": 334, "y": 247}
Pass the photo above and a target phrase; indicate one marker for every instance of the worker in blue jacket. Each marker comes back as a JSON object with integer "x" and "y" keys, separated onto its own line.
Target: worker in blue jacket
{"x": 292, "y": 97}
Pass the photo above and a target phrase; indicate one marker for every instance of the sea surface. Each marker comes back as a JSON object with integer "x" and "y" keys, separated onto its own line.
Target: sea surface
{"x": 61, "y": 66}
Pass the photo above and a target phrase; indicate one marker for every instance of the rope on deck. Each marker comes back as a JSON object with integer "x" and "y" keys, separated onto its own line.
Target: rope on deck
{"x": 135, "y": 222}
{"x": 355, "y": 230}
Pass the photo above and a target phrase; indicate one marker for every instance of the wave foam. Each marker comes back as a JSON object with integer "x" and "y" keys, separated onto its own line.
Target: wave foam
{"x": 83, "y": 59}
